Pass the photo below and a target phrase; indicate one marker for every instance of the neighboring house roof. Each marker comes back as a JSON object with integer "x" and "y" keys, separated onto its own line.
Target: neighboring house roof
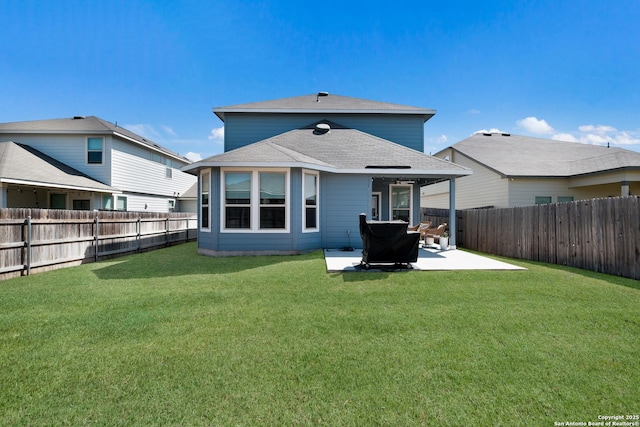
{"x": 524, "y": 156}
{"x": 191, "y": 193}
{"x": 22, "y": 164}
{"x": 338, "y": 150}
{"x": 323, "y": 103}
{"x": 84, "y": 125}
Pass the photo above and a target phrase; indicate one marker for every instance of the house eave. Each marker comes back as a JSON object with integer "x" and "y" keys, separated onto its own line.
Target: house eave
{"x": 425, "y": 113}
{"x": 57, "y": 185}
{"x": 386, "y": 172}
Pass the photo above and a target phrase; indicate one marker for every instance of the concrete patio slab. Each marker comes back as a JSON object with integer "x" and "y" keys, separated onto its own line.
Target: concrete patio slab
{"x": 428, "y": 259}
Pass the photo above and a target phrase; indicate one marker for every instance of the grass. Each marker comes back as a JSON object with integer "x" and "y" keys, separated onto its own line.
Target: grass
{"x": 171, "y": 338}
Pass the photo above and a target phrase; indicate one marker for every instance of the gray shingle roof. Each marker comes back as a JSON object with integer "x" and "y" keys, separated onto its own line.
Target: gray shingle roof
{"x": 514, "y": 155}
{"x": 341, "y": 150}
{"x": 323, "y": 104}
{"x": 82, "y": 125}
{"x": 23, "y": 164}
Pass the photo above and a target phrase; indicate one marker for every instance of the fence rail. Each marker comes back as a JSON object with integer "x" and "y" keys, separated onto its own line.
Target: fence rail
{"x": 43, "y": 239}
{"x": 600, "y": 235}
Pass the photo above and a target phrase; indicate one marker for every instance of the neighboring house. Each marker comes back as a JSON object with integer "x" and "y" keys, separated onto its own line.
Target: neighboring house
{"x": 297, "y": 172}
{"x": 511, "y": 170}
{"x": 124, "y": 170}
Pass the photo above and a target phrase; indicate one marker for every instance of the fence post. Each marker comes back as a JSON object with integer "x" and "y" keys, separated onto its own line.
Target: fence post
{"x": 138, "y": 232}
{"x": 96, "y": 237}
{"x": 27, "y": 256}
{"x": 167, "y": 230}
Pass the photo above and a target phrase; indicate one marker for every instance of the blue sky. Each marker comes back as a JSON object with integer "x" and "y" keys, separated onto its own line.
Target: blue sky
{"x": 554, "y": 69}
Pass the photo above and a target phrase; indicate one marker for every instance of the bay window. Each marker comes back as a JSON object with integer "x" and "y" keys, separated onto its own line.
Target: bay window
{"x": 255, "y": 200}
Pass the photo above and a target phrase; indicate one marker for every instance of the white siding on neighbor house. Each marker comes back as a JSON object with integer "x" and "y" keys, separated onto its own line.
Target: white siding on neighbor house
{"x": 134, "y": 171}
{"x": 243, "y": 129}
{"x": 70, "y": 150}
{"x": 483, "y": 188}
{"x": 523, "y": 191}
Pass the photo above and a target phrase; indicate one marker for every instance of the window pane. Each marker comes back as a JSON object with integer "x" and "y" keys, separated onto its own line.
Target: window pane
{"x": 401, "y": 197}
{"x": 94, "y": 157}
{"x": 401, "y": 214}
{"x": 310, "y": 190}
{"x": 543, "y": 200}
{"x": 204, "y": 201}
{"x": 81, "y": 205}
{"x": 310, "y": 218}
{"x": 238, "y": 188}
{"x": 272, "y": 217}
{"x": 107, "y": 202}
{"x": 121, "y": 203}
{"x": 204, "y": 220}
{"x": 272, "y": 188}
{"x": 94, "y": 144}
{"x": 238, "y": 217}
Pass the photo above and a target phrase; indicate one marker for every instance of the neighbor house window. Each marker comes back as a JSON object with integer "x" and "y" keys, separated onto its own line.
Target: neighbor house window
{"x": 565, "y": 199}
{"x": 107, "y": 202}
{"x": 255, "y": 200}
{"x": 94, "y": 150}
{"x": 81, "y": 205}
{"x": 543, "y": 200}
{"x": 57, "y": 201}
{"x": 121, "y": 203}
{"x": 204, "y": 200}
{"x": 310, "y": 198}
{"x": 172, "y": 205}
{"x": 168, "y": 171}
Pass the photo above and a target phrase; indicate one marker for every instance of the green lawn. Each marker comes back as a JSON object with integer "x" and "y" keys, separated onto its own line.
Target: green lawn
{"x": 172, "y": 338}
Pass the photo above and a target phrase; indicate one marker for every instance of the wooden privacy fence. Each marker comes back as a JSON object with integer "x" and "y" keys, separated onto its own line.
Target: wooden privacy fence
{"x": 42, "y": 239}
{"x": 600, "y": 235}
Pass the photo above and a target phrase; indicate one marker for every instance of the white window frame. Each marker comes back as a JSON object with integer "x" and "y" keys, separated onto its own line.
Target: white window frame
{"x": 391, "y": 187}
{"x": 205, "y": 175}
{"x": 87, "y": 151}
{"x": 378, "y": 207}
{"x": 316, "y": 174}
{"x": 255, "y": 201}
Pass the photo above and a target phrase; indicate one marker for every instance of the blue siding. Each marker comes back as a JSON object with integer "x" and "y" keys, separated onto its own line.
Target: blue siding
{"x": 343, "y": 198}
{"x": 243, "y": 129}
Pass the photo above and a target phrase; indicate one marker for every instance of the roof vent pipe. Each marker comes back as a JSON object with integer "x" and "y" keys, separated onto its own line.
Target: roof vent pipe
{"x": 321, "y": 94}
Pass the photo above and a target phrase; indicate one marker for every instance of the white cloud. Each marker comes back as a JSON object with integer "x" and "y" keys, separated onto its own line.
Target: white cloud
{"x": 535, "y": 125}
{"x": 564, "y": 137}
{"x": 194, "y": 157}
{"x": 217, "y": 134}
{"x": 442, "y": 139}
{"x": 623, "y": 138}
{"x": 492, "y": 130}
{"x": 600, "y": 129}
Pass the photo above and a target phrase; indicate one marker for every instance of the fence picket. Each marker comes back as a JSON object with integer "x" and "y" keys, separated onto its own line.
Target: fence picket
{"x": 600, "y": 234}
{"x": 44, "y": 239}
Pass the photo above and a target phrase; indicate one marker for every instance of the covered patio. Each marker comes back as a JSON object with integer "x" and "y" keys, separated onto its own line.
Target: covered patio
{"x": 429, "y": 259}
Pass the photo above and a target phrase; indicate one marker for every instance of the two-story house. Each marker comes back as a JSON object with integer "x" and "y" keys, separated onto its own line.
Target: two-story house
{"x": 88, "y": 163}
{"x": 297, "y": 172}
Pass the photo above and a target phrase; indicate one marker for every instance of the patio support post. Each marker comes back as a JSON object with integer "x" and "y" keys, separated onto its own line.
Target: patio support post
{"x": 452, "y": 213}
{"x": 624, "y": 188}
